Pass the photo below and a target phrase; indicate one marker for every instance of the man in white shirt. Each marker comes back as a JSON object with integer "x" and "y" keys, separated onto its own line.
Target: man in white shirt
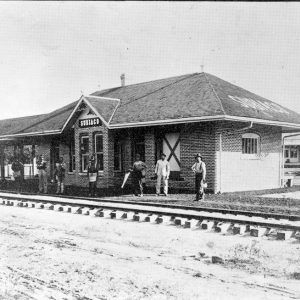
{"x": 162, "y": 171}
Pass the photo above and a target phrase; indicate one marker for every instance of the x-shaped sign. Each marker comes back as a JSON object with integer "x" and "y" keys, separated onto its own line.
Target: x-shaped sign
{"x": 172, "y": 149}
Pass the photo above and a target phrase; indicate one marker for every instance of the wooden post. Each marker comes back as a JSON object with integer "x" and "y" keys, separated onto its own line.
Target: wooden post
{"x": 2, "y": 162}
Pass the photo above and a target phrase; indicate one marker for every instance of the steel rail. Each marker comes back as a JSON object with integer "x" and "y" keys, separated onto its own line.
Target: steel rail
{"x": 200, "y": 208}
{"x": 236, "y": 218}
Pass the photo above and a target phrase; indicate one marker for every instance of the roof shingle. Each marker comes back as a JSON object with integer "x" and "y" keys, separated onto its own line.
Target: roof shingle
{"x": 188, "y": 96}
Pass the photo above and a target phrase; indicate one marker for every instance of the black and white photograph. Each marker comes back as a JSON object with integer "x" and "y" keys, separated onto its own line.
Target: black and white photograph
{"x": 149, "y": 150}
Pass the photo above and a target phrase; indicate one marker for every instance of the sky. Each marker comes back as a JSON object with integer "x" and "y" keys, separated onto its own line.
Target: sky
{"x": 53, "y": 52}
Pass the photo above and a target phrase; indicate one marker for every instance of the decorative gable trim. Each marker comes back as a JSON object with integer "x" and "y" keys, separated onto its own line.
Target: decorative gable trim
{"x": 84, "y": 100}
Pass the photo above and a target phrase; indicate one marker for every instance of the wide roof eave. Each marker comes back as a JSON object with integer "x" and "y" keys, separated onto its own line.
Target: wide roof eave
{"x": 29, "y": 134}
{"x": 285, "y": 125}
{"x": 291, "y": 126}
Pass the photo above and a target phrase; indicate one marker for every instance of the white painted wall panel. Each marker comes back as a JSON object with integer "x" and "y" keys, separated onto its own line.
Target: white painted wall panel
{"x": 239, "y": 174}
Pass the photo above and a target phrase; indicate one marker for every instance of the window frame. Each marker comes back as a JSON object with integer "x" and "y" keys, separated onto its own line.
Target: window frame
{"x": 289, "y": 152}
{"x": 72, "y": 154}
{"x": 251, "y": 146}
{"x": 119, "y": 155}
{"x": 96, "y": 153}
{"x": 83, "y": 155}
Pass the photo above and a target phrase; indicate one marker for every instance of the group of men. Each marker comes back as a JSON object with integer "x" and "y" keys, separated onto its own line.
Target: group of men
{"x": 162, "y": 172}
{"x": 59, "y": 174}
{"x": 137, "y": 171}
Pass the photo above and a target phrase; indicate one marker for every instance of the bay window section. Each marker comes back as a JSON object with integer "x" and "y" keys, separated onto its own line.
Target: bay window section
{"x": 98, "y": 149}
{"x": 72, "y": 165}
{"x": 84, "y": 151}
{"x": 118, "y": 155}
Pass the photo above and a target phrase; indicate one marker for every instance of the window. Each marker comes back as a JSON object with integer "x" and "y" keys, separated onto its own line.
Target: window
{"x": 84, "y": 150}
{"x": 98, "y": 144}
{"x": 291, "y": 154}
{"x": 138, "y": 146}
{"x": 72, "y": 152}
{"x": 286, "y": 153}
{"x": 118, "y": 155}
{"x": 250, "y": 143}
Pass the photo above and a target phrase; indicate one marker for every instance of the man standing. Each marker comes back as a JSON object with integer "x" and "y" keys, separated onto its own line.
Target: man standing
{"x": 92, "y": 173}
{"x": 59, "y": 174}
{"x": 138, "y": 175}
{"x": 162, "y": 171}
{"x": 18, "y": 172}
{"x": 43, "y": 178}
{"x": 199, "y": 169}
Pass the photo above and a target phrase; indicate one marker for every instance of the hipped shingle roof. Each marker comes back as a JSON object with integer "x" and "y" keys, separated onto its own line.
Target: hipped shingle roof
{"x": 183, "y": 97}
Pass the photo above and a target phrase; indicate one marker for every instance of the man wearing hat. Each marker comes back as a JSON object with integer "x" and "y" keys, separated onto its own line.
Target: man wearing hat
{"x": 199, "y": 169}
{"x": 92, "y": 173}
{"x": 138, "y": 174}
{"x": 162, "y": 171}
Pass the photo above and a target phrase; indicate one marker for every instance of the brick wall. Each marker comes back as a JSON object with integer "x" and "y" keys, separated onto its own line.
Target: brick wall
{"x": 194, "y": 138}
{"x": 227, "y": 170}
{"x": 78, "y": 177}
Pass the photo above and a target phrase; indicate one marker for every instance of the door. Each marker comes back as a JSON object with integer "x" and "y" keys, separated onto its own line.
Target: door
{"x": 171, "y": 147}
{"x": 54, "y": 156}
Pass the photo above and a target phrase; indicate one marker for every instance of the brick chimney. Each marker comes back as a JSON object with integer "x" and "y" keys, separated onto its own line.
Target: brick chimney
{"x": 122, "y": 79}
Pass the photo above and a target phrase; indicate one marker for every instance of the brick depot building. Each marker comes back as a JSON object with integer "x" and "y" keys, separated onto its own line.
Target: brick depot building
{"x": 238, "y": 133}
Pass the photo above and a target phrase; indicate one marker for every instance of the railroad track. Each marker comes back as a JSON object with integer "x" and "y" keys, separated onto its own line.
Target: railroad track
{"x": 220, "y": 220}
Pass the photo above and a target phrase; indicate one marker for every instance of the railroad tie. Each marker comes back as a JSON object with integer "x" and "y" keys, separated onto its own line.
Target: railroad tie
{"x": 258, "y": 231}
{"x": 140, "y": 217}
{"x": 192, "y": 223}
{"x": 129, "y": 215}
{"x": 207, "y": 225}
{"x": 15, "y": 203}
{"x": 105, "y": 213}
{"x": 180, "y": 221}
{"x": 284, "y": 234}
{"x": 239, "y": 229}
{"x": 75, "y": 210}
{"x": 98, "y": 212}
{"x": 49, "y": 206}
{"x": 67, "y": 208}
{"x": 58, "y": 207}
{"x": 164, "y": 219}
{"x": 31, "y": 204}
{"x": 151, "y": 218}
{"x": 297, "y": 235}
{"x": 118, "y": 214}
{"x": 40, "y": 205}
{"x": 86, "y": 211}
{"x": 223, "y": 227}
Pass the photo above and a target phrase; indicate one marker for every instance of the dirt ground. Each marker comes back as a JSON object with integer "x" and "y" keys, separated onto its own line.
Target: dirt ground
{"x": 50, "y": 255}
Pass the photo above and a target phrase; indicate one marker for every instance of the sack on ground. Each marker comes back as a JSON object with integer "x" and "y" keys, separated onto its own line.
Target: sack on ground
{"x": 16, "y": 174}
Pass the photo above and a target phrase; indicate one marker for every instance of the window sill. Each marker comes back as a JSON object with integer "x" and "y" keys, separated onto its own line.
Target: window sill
{"x": 170, "y": 179}
{"x": 250, "y": 157}
{"x": 100, "y": 173}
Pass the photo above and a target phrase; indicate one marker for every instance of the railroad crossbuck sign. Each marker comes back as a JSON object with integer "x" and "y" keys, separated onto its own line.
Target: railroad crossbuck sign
{"x": 171, "y": 147}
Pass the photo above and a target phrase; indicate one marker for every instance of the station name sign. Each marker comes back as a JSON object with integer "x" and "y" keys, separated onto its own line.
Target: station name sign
{"x": 92, "y": 122}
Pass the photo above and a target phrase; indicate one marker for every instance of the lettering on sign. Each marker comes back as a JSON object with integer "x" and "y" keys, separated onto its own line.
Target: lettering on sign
{"x": 259, "y": 105}
{"x": 92, "y": 122}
